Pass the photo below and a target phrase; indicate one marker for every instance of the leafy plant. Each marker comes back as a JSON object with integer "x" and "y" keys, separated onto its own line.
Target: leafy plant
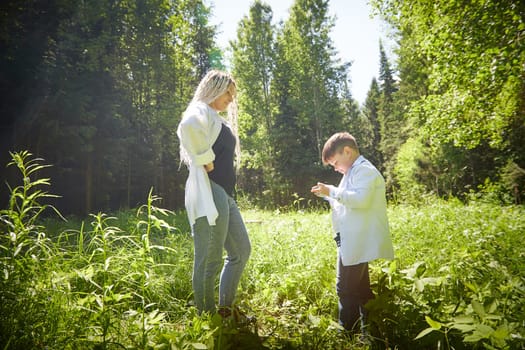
{"x": 23, "y": 235}
{"x": 24, "y": 249}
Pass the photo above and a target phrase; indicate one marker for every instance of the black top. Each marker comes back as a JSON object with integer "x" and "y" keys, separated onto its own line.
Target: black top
{"x": 223, "y": 172}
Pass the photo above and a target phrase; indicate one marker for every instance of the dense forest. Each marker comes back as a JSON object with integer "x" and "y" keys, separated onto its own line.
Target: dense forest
{"x": 97, "y": 87}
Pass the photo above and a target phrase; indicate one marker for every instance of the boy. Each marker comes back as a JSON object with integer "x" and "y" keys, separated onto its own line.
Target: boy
{"x": 360, "y": 224}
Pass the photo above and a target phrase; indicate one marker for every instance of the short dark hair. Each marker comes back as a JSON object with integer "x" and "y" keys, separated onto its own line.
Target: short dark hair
{"x": 336, "y": 143}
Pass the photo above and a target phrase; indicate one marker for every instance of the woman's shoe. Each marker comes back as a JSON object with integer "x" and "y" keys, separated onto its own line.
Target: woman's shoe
{"x": 235, "y": 314}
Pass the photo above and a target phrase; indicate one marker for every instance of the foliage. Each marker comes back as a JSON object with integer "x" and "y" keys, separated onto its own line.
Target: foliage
{"x": 102, "y": 92}
{"x": 124, "y": 281}
{"x": 456, "y": 282}
{"x": 461, "y": 83}
{"x": 470, "y": 64}
{"x": 409, "y": 157}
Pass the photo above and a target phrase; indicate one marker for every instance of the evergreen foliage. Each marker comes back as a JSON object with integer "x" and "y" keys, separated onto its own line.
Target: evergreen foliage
{"x": 103, "y": 92}
{"x": 97, "y": 88}
{"x": 253, "y": 68}
{"x": 309, "y": 88}
{"x": 370, "y": 145}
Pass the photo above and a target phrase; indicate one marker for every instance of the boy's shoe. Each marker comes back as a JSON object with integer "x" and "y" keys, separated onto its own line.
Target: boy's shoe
{"x": 364, "y": 339}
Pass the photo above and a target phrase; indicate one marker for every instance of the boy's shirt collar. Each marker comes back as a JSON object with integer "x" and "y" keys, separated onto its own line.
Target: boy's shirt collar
{"x": 358, "y": 161}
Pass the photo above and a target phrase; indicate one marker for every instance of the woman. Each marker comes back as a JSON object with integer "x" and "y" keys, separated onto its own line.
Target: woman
{"x": 208, "y": 147}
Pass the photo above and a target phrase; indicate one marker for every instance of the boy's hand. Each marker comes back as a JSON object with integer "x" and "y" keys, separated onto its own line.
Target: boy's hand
{"x": 320, "y": 190}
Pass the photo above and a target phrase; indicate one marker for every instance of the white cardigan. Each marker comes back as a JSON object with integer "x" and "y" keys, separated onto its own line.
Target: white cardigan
{"x": 198, "y": 130}
{"x": 359, "y": 214}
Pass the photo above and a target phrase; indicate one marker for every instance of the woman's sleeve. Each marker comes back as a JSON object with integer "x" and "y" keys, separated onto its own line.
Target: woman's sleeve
{"x": 194, "y": 137}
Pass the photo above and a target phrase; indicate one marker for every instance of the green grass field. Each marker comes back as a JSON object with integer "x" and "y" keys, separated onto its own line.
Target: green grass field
{"x": 124, "y": 281}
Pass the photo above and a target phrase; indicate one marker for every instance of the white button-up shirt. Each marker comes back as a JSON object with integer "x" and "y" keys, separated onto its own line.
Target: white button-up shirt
{"x": 359, "y": 214}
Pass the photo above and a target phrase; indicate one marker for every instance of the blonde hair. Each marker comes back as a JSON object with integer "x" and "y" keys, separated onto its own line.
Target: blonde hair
{"x": 214, "y": 84}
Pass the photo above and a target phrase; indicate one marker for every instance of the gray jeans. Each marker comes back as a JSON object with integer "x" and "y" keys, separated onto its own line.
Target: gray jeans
{"x": 229, "y": 233}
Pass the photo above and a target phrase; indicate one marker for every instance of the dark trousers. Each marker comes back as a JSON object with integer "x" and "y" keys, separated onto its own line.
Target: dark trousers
{"x": 353, "y": 290}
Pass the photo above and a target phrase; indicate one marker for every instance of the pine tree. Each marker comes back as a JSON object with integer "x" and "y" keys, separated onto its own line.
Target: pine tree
{"x": 370, "y": 110}
{"x": 310, "y": 86}
{"x": 389, "y": 118}
{"x": 253, "y": 63}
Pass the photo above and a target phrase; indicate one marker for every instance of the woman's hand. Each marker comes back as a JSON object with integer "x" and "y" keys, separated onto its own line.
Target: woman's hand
{"x": 209, "y": 167}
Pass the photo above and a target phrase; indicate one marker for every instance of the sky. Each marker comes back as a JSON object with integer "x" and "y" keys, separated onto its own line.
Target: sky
{"x": 355, "y": 35}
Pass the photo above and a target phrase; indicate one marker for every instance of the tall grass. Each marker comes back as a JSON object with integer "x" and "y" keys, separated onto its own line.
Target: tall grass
{"x": 123, "y": 281}
{"x": 25, "y": 252}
